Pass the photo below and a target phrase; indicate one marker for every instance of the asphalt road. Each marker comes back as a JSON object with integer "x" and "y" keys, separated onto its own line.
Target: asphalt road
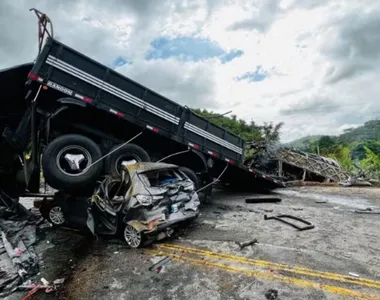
{"x": 206, "y": 263}
{"x": 338, "y": 259}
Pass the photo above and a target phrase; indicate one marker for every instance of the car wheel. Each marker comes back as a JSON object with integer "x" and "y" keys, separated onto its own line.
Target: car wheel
{"x": 53, "y": 212}
{"x": 56, "y": 216}
{"x": 133, "y": 238}
{"x": 66, "y": 160}
{"x": 128, "y": 153}
{"x": 193, "y": 177}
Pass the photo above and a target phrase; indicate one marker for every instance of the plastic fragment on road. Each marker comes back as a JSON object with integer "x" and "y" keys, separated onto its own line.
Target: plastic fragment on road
{"x": 59, "y": 281}
{"x": 44, "y": 281}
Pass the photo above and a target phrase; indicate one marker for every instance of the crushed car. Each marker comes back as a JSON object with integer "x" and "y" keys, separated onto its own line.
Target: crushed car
{"x": 146, "y": 202}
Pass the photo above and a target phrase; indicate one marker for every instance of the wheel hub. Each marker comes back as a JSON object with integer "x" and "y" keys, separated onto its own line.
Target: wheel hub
{"x": 56, "y": 215}
{"x": 74, "y": 160}
{"x": 132, "y": 236}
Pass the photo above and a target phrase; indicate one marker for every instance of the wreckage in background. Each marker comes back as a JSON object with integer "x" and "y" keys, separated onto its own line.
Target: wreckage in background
{"x": 289, "y": 164}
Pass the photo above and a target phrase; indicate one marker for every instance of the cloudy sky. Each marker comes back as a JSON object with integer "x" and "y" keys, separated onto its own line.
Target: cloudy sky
{"x": 313, "y": 64}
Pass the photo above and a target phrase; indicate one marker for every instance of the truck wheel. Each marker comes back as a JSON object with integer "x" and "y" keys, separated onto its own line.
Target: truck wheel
{"x": 66, "y": 159}
{"x": 193, "y": 177}
{"x": 130, "y": 152}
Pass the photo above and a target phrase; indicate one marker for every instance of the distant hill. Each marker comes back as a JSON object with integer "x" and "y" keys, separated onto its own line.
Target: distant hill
{"x": 303, "y": 142}
{"x": 368, "y": 132}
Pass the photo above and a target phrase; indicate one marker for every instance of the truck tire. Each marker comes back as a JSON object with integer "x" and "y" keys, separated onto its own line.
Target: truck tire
{"x": 129, "y": 152}
{"x": 65, "y": 160}
{"x": 193, "y": 177}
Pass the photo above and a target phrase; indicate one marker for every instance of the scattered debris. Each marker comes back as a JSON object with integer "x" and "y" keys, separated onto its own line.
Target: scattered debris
{"x": 59, "y": 281}
{"x": 246, "y": 243}
{"x": 18, "y": 256}
{"x": 241, "y": 207}
{"x": 44, "y": 282}
{"x": 281, "y": 219}
{"x": 59, "y": 240}
{"x": 224, "y": 207}
{"x": 262, "y": 200}
{"x": 367, "y": 211}
{"x": 321, "y": 201}
{"x": 220, "y": 226}
{"x": 160, "y": 264}
{"x": 271, "y": 294}
{"x": 354, "y": 274}
{"x": 160, "y": 269}
{"x": 34, "y": 288}
{"x": 297, "y": 209}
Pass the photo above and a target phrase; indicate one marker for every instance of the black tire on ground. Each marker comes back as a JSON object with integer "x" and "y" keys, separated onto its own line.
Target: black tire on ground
{"x": 56, "y": 169}
{"x": 127, "y": 152}
{"x": 193, "y": 177}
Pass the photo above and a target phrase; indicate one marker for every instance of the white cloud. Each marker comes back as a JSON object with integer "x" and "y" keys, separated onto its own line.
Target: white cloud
{"x": 321, "y": 57}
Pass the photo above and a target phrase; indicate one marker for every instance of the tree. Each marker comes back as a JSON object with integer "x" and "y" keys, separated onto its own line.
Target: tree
{"x": 371, "y": 163}
{"x": 343, "y": 155}
{"x": 248, "y": 132}
{"x": 326, "y": 144}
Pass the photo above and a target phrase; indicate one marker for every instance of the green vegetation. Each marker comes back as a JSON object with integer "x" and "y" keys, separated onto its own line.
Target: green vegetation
{"x": 249, "y": 132}
{"x": 355, "y": 148}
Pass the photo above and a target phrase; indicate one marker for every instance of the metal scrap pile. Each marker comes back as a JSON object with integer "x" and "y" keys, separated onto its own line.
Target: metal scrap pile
{"x": 18, "y": 257}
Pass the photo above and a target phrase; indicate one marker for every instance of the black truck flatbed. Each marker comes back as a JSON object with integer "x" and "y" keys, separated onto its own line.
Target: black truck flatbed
{"x": 80, "y": 77}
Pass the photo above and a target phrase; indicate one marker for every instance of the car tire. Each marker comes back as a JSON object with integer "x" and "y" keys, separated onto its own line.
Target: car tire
{"x": 58, "y": 171}
{"x": 193, "y": 177}
{"x": 127, "y": 152}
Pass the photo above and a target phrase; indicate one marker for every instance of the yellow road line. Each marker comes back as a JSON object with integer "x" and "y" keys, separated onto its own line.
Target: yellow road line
{"x": 275, "y": 266}
{"x": 268, "y": 275}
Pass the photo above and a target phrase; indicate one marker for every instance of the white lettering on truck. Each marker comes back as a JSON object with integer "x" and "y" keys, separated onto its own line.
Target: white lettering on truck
{"x": 60, "y": 88}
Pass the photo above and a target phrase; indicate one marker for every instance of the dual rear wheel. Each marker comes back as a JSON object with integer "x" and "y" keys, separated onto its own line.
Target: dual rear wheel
{"x": 74, "y": 161}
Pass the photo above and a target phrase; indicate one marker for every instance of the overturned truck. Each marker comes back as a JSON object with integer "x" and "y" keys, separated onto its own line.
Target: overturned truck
{"x": 293, "y": 164}
{"x": 79, "y": 120}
